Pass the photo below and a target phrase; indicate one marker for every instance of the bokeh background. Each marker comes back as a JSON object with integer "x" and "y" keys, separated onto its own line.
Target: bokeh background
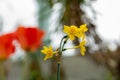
{"x": 101, "y": 62}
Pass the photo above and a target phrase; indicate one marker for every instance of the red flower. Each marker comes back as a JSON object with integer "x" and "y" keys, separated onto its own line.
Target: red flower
{"x": 30, "y": 39}
{"x": 6, "y": 46}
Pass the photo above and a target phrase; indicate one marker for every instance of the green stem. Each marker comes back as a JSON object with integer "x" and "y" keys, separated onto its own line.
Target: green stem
{"x": 61, "y": 43}
{"x": 64, "y": 43}
{"x": 58, "y": 71}
{"x": 26, "y": 67}
{"x": 32, "y": 67}
{"x": 61, "y": 49}
{"x": 70, "y": 48}
{"x": 2, "y": 71}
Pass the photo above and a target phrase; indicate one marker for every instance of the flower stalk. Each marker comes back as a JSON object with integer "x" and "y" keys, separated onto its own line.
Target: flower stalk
{"x": 2, "y": 71}
{"x": 32, "y": 69}
{"x": 58, "y": 71}
{"x": 62, "y": 44}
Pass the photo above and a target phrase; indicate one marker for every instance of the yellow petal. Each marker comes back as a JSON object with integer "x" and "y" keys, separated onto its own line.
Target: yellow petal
{"x": 70, "y": 31}
{"x": 83, "y": 28}
{"x": 66, "y": 29}
{"x": 83, "y": 43}
{"x": 45, "y": 58}
{"x": 82, "y": 53}
{"x": 71, "y": 37}
{"x": 42, "y": 51}
{"x": 82, "y": 47}
{"x": 48, "y": 51}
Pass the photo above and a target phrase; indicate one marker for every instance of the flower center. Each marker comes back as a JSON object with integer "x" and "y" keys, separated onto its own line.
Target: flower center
{"x": 49, "y": 53}
{"x": 72, "y": 31}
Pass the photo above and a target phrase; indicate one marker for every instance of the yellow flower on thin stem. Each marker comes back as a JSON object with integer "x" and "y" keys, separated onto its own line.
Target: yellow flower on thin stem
{"x": 82, "y": 47}
{"x": 48, "y": 51}
{"x": 81, "y": 31}
{"x": 83, "y": 28}
{"x": 71, "y": 31}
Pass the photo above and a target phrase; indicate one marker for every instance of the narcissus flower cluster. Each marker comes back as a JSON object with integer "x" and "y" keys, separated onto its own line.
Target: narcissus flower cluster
{"x": 72, "y": 32}
{"x": 48, "y": 51}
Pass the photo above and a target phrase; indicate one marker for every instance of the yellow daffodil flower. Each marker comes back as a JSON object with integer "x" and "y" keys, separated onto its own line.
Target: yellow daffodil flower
{"x": 70, "y": 31}
{"x": 81, "y": 31}
{"x": 48, "y": 51}
{"x": 83, "y": 28}
{"x": 73, "y": 31}
{"x": 82, "y": 47}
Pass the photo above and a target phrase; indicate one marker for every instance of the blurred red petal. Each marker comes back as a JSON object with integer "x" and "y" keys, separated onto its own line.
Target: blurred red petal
{"x": 6, "y": 45}
{"x": 29, "y": 38}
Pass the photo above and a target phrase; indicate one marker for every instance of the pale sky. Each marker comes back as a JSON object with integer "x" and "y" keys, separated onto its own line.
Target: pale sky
{"x": 15, "y": 12}
{"x": 108, "y": 21}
